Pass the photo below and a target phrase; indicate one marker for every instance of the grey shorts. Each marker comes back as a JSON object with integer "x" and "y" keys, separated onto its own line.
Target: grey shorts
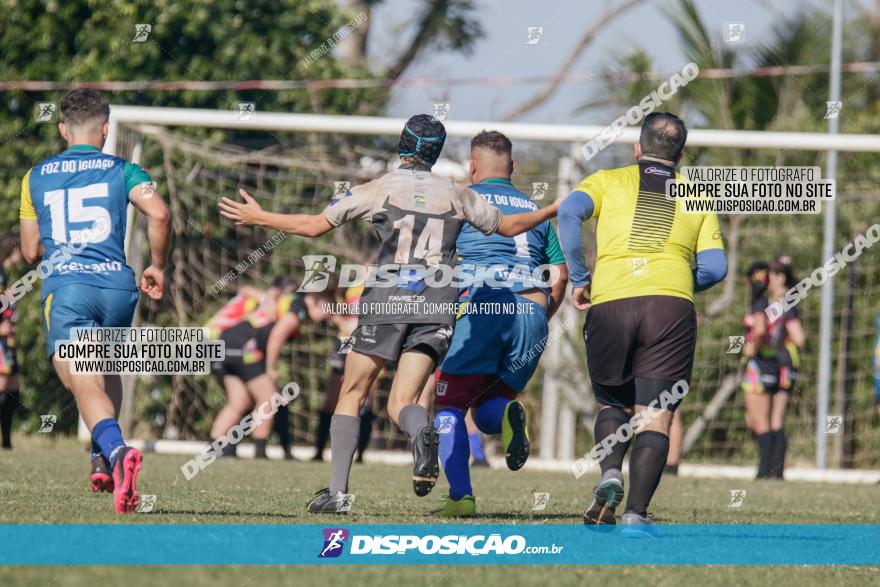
{"x": 389, "y": 341}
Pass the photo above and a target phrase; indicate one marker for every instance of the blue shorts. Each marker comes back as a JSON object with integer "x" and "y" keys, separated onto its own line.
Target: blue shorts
{"x": 85, "y": 306}
{"x": 508, "y": 344}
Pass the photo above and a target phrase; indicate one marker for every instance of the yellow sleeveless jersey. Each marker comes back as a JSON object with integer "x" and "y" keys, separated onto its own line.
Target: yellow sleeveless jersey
{"x": 645, "y": 243}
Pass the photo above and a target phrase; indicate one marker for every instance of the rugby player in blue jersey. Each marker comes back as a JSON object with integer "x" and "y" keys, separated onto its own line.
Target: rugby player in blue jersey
{"x": 73, "y": 213}
{"x": 494, "y": 353}
{"x": 408, "y": 318}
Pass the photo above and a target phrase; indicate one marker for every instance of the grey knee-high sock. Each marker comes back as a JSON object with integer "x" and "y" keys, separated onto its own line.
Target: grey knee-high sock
{"x": 343, "y": 444}
{"x": 412, "y": 419}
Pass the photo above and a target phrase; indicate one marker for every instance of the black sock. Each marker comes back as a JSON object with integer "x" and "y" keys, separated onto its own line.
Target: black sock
{"x": 260, "y": 448}
{"x": 8, "y": 403}
{"x": 281, "y": 426}
{"x": 608, "y": 421}
{"x": 366, "y": 432}
{"x": 778, "y": 453}
{"x": 323, "y": 434}
{"x": 228, "y": 450}
{"x": 765, "y": 454}
{"x": 646, "y": 463}
{"x": 671, "y": 469}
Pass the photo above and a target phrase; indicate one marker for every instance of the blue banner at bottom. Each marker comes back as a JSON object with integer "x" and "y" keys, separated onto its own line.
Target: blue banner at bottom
{"x": 551, "y": 544}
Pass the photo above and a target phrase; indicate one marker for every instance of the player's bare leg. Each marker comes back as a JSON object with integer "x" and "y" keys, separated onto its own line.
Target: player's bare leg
{"x": 238, "y": 403}
{"x": 262, "y": 389}
{"x": 360, "y": 372}
{"x": 92, "y": 401}
{"x": 413, "y": 370}
{"x": 98, "y": 398}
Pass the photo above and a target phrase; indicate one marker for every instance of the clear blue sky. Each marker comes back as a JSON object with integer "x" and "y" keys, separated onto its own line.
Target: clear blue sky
{"x": 503, "y": 52}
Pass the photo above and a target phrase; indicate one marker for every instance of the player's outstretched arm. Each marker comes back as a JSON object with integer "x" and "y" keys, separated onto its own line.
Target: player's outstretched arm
{"x": 145, "y": 199}
{"x": 514, "y": 224}
{"x": 250, "y": 212}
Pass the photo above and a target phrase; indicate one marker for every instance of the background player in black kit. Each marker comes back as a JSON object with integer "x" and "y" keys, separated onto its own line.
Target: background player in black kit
{"x": 417, "y": 217}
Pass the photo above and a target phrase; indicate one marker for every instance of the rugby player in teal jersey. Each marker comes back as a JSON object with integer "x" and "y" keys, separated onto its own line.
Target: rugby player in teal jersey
{"x": 74, "y": 212}
{"x": 494, "y": 353}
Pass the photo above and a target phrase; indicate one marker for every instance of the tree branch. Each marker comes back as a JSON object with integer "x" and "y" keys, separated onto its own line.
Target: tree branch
{"x": 545, "y": 94}
{"x": 426, "y": 30}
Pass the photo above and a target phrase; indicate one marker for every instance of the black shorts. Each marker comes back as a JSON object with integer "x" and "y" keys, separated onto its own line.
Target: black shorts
{"x": 647, "y": 337}
{"x": 245, "y": 355}
{"x": 389, "y": 341}
{"x": 768, "y": 375}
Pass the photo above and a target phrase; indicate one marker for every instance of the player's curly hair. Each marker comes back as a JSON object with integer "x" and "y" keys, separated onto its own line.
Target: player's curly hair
{"x": 422, "y": 138}
{"x": 83, "y": 106}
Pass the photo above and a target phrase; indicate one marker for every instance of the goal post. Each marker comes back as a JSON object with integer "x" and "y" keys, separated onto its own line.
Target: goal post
{"x": 142, "y": 122}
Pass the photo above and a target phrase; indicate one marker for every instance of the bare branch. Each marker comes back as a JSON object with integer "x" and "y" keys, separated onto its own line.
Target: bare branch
{"x": 545, "y": 94}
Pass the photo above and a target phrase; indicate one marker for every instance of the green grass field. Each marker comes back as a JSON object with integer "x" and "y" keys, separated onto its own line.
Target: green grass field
{"x": 45, "y": 482}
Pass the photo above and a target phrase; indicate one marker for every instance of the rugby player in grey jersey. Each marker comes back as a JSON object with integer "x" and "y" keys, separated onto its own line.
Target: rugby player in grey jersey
{"x": 417, "y": 217}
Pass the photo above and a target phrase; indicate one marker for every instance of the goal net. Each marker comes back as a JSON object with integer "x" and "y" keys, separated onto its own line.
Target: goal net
{"x": 296, "y": 163}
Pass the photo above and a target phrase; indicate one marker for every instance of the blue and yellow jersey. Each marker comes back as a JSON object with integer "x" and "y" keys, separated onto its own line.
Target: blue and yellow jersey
{"x": 529, "y": 250}
{"x": 79, "y": 198}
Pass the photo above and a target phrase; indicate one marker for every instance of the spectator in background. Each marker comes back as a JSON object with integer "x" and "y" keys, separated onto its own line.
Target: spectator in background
{"x": 773, "y": 351}
{"x": 255, "y": 325}
{"x": 9, "y": 398}
{"x": 877, "y": 368}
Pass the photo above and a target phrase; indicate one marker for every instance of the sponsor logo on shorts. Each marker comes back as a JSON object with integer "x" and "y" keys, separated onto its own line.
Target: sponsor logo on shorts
{"x": 445, "y": 333}
{"x": 441, "y": 387}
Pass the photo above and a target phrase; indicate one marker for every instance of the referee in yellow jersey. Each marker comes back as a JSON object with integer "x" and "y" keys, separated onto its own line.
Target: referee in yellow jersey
{"x": 641, "y": 327}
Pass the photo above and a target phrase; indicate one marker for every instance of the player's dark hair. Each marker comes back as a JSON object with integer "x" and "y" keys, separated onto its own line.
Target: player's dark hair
{"x": 783, "y": 265}
{"x": 663, "y": 136}
{"x": 494, "y": 141}
{"x": 84, "y": 105}
{"x": 422, "y": 138}
{"x": 758, "y": 278}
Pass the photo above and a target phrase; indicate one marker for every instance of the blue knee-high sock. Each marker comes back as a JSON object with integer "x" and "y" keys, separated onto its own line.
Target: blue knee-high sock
{"x": 489, "y": 415}
{"x": 475, "y": 440}
{"x": 455, "y": 451}
{"x": 108, "y": 436}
